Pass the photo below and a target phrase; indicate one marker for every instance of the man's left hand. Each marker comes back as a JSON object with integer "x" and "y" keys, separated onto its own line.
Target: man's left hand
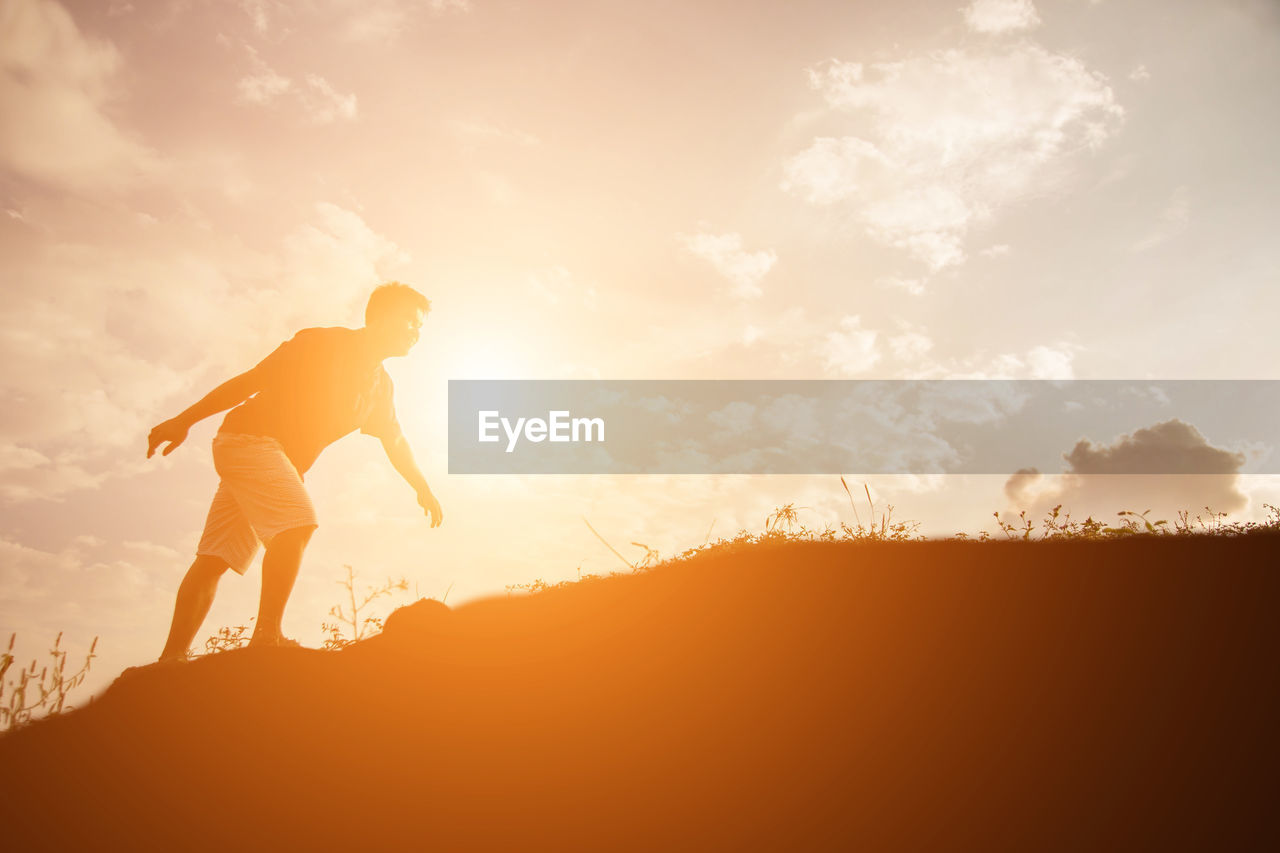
{"x": 428, "y": 502}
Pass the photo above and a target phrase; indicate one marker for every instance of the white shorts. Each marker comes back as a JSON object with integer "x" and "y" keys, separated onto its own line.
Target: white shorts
{"x": 259, "y": 496}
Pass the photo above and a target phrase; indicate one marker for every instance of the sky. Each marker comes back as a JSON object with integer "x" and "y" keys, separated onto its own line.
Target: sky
{"x": 616, "y": 190}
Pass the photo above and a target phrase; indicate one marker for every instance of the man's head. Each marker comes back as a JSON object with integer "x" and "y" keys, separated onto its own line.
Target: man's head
{"x": 393, "y": 316}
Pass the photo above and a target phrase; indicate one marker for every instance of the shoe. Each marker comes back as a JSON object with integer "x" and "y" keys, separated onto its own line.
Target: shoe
{"x": 281, "y": 642}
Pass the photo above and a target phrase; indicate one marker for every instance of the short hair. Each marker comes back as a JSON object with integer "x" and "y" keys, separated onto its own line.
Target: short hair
{"x": 393, "y": 296}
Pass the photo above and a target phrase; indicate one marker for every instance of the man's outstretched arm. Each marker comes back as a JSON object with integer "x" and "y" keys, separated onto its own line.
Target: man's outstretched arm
{"x": 233, "y": 392}
{"x": 401, "y": 457}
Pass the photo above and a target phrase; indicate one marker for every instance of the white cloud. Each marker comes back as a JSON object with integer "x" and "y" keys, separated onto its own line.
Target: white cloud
{"x": 911, "y": 343}
{"x": 64, "y": 428}
{"x": 929, "y": 221}
{"x": 263, "y": 87}
{"x": 913, "y": 286}
{"x": 322, "y": 103}
{"x": 1050, "y": 363}
{"x": 83, "y": 589}
{"x": 948, "y": 138}
{"x": 831, "y": 170}
{"x": 1001, "y": 16}
{"x": 333, "y": 264}
{"x": 852, "y": 349}
{"x": 1040, "y": 362}
{"x": 352, "y": 20}
{"x": 1139, "y": 73}
{"x": 15, "y": 458}
{"x": 257, "y": 12}
{"x": 103, "y": 345}
{"x": 157, "y": 549}
{"x": 381, "y": 20}
{"x": 744, "y": 270}
{"x": 375, "y": 22}
{"x": 55, "y": 94}
{"x": 1023, "y": 485}
{"x": 31, "y": 476}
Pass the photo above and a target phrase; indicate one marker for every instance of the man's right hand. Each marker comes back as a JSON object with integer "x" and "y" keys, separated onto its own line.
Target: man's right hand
{"x": 173, "y": 431}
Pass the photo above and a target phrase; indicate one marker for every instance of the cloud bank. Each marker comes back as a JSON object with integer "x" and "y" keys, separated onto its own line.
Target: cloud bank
{"x": 55, "y": 94}
{"x": 1196, "y": 475}
{"x": 946, "y": 139}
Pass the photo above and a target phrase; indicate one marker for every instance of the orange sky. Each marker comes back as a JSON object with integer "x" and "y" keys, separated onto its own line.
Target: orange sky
{"x": 616, "y": 190}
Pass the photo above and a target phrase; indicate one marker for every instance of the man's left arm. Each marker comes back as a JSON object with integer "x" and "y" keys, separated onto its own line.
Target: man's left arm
{"x": 401, "y": 456}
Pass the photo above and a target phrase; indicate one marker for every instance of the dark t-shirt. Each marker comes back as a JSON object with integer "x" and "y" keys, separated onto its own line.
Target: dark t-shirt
{"x": 315, "y": 388}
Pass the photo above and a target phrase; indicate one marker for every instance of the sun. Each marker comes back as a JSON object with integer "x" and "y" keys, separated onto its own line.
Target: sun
{"x": 488, "y": 359}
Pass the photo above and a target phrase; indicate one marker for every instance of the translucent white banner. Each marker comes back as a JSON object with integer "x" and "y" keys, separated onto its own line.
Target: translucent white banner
{"x": 979, "y": 426}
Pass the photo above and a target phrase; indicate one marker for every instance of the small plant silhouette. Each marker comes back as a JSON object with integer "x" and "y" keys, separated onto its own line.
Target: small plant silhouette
{"x": 606, "y": 544}
{"x": 787, "y": 514}
{"x": 651, "y": 556}
{"x": 350, "y": 625}
{"x": 1136, "y": 522}
{"x": 46, "y": 691}
{"x": 1058, "y": 525}
{"x": 350, "y": 628}
{"x": 887, "y": 531}
{"x": 228, "y": 639}
{"x": 1021, "y": 530}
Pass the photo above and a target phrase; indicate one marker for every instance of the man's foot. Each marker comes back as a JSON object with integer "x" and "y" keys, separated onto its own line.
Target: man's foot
{"x": 163, "y": 663}
{"x": 278, "y": 641}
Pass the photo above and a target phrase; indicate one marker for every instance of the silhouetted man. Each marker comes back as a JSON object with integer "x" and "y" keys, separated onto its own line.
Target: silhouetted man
{"x": 318, "y": 386}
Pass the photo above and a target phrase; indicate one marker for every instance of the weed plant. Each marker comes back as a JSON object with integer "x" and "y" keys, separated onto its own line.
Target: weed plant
{"x": 349, "y": 627}
{"x": 45, "y": 693}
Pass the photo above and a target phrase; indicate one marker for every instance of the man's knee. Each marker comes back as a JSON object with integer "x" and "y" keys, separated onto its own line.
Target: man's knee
{"x": 207, "y": 565}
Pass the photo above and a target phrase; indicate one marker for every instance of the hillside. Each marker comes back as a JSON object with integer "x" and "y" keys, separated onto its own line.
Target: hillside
{"x": 921, "y": 695}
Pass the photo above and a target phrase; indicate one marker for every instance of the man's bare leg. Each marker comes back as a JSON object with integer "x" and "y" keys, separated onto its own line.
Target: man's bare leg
{"x": 195, "y": 597}
{"x": 279, "y": 571}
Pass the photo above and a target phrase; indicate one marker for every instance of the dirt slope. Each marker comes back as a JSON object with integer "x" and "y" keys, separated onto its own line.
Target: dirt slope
{"x": 935, "y": 695}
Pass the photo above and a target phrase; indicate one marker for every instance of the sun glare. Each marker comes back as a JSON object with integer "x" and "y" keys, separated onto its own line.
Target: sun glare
{"x": 490, "y": 359}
